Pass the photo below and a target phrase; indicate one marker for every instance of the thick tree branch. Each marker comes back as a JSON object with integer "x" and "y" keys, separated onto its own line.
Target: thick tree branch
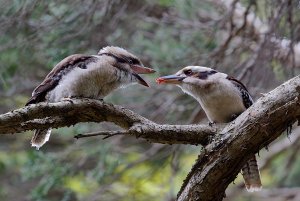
{"x": 66, "y": 113}
{"x": 222, "y": 160}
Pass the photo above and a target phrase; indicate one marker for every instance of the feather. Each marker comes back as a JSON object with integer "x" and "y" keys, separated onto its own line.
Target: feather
{"x": 53, "y": 78}
{"x": 40, "y": 137}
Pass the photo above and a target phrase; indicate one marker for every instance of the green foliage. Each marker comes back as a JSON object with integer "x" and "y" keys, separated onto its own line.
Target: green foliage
{"x": 167, "y": 35}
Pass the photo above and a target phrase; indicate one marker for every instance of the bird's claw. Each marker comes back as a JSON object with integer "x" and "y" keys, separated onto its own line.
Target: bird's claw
{"x": 211, "y": 124}
{"x": 68, "y": 99}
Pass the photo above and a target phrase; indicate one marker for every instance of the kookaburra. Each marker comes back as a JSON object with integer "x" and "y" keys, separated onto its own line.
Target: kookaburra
{"x": 222, "y": 98}
{"x": 88, "y": 76}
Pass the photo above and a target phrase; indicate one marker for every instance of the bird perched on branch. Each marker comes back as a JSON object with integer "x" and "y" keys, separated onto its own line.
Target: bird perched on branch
{"x": 222, "y": 98}
{"x": 88, "y": 76}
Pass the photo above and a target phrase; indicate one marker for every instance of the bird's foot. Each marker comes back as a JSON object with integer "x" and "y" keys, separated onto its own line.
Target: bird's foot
{"x": 211, "y": 124}
{"x": 72, "y": 98}
{"x": 69, "y": 99}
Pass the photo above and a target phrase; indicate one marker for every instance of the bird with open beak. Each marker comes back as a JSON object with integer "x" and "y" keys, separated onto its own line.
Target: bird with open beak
{"x": 222, "y": 98}
{"x": 88, "y": 76}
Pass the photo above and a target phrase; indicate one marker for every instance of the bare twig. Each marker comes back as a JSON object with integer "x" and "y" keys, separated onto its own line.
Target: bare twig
{"x": 233, "y": 31}
{"x": 107, "y": 134}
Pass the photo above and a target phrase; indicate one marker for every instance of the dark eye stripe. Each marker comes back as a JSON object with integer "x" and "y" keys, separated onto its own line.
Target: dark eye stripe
{"x": 135, "y": 61}
{"x": 123, "y": 59}
{"x": 188, "y": 72}
{"x": 205, "y": 74}
{"x": 114, "y": 56}
{"x": 130, "y": 60}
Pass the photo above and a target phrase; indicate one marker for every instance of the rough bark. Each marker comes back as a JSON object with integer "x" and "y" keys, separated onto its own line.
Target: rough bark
{"x": 228, "y": 149}
{"x": 221, "y": 161}
{"x": 68, "y": 113}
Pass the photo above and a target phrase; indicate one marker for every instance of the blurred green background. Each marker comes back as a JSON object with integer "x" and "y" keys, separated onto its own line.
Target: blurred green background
{"x": 255, "y": 41}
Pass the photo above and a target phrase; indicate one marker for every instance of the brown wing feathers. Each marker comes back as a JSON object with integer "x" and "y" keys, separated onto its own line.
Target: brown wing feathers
{"x": 247, "y": 100}
{"x": 53, "y": 78}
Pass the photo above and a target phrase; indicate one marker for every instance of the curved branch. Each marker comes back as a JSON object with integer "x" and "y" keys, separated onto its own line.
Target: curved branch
{"x": 222, "y": 160}
{"x": 67, "y": 113}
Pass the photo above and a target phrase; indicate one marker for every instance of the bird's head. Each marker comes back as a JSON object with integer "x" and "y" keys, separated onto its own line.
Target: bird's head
{"x": 192, "y": 79}
{"x": 188, "y": 75}
{"x": 127, "y": 62}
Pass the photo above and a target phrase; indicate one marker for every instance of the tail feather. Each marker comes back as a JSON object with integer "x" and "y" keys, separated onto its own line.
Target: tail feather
{"x": 40, "y": 137}
{"x": 251, "y": 175}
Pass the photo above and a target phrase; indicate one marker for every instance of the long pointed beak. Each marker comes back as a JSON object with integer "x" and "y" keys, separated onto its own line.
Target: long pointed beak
{"x": 140, "y": 80}
{"x": 137, "y": 69}
{"x": 141, "y": 70}
{"x": 170, "y": 79}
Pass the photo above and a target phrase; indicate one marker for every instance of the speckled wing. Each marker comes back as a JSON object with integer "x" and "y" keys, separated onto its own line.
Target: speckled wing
{"x": 250, "y": 170}
{"x": 53, "y": 78}
{"x": 247, "y": 100}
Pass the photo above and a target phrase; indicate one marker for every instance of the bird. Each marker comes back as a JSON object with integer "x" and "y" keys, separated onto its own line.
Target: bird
{"x": 222, "y": 98}
{"x": 87, "y": 76}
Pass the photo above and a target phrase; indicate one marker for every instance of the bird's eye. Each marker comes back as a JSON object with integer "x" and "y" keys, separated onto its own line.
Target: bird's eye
{"x": 188, "y": 72}
{"x": 130, "y": 61}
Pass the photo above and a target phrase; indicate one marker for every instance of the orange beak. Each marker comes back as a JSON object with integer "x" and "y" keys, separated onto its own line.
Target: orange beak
{"x": 142, "y": 70}
{"x": 137, "y": 69}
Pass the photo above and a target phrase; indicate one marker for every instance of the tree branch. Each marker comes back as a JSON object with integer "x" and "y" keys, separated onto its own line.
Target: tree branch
{"x": 241, "y": 16}
{"x": 221, "y": 161}
{"x": 66, "y": 113}
{"x": 216, "y": 166}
